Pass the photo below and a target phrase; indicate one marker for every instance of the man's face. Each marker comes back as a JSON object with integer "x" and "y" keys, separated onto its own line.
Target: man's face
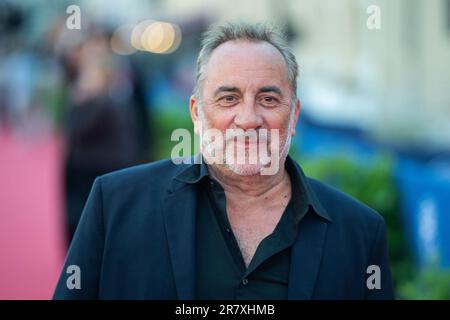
{"x": 246, "y": 87}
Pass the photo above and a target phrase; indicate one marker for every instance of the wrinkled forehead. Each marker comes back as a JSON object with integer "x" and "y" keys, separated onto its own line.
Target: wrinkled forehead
{"x": 246, "y": 63}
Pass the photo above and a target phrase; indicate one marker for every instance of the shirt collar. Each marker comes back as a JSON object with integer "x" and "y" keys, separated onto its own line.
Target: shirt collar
{"x": 195, "y": 172}
{"x": 303, "y": 184}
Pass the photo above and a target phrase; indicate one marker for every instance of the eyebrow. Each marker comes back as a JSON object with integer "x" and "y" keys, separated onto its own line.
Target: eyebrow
{"x": 270, "y": 89}
{"x": 226, "y": 89}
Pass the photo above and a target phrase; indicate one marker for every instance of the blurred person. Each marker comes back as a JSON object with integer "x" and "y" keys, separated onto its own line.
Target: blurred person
{"x": 206, "y": 229}
{"x": 100, "y": 122}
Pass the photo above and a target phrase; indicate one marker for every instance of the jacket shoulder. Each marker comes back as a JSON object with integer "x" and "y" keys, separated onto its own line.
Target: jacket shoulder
{"x": 341, "y": 206}
{"x": 155, "y": 175}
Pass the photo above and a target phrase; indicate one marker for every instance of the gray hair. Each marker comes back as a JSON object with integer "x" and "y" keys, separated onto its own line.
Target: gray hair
{"x": 230, "y": 31}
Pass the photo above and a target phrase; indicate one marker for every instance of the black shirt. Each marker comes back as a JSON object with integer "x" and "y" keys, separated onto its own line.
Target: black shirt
{"x": 220, "y": 268}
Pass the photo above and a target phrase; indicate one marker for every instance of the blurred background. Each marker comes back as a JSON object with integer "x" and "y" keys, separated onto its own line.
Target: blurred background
{"x": 82, "y": 97}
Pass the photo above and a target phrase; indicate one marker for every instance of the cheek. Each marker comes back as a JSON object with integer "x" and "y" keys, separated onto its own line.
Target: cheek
{"x": 219, "y": 119}
{"x": 281, "y": 122}
{"x": 277, "y": 120}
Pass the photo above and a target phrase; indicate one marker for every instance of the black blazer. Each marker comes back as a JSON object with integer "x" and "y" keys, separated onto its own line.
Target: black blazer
{"x": 136, "y": 240}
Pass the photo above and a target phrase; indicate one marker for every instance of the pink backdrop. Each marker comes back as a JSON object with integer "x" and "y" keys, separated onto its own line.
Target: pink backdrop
{"x": 31, "y": 216}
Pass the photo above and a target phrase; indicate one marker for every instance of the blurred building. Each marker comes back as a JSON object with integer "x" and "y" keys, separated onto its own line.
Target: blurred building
{"x": 392, "y": 81}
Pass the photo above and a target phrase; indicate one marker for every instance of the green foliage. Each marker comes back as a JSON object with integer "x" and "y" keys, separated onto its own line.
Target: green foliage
{"x": 163, "y": 124}
{"x": 430, "y": 283}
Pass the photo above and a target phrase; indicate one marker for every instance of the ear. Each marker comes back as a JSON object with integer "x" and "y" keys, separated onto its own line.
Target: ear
{"x": 193, "y": 109}
{"x": 296, "y": 114}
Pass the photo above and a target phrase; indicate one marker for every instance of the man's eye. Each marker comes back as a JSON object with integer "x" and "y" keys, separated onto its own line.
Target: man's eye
{"x": 228, "y": 99}
{"x": 269, "y": 101}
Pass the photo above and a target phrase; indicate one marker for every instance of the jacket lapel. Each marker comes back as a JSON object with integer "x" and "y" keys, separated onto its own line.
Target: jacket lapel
{"x": 179, "y": 209}
{"x": 306, "y": 256}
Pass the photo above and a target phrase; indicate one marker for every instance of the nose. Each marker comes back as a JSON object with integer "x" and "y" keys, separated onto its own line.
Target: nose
{"x": 248, "y": 117}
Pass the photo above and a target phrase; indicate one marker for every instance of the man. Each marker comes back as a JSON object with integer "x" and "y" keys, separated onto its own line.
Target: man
{"x": 224, "y": 228}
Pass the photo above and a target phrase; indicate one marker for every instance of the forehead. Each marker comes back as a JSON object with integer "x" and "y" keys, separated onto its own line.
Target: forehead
{"x": 243, "y": 62}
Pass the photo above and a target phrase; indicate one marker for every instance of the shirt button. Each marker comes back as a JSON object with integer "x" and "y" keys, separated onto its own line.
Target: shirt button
{"x": 228, "y": 230}
{"x": 245, "y": 281}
